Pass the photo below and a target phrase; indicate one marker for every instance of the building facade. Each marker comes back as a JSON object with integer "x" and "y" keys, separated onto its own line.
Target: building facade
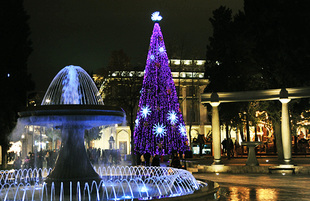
{"x": 189, "y": 79}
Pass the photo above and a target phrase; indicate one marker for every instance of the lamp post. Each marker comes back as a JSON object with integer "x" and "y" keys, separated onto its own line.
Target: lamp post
{"x": 111, "y": 142}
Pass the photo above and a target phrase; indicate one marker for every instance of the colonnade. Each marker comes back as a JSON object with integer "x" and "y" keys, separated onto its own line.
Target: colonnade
{"x": 214, "y": 99}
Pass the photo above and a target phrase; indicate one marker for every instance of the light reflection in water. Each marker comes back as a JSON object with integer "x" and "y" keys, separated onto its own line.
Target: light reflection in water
{"x": 239, "y": 193}
{"x": 258, "y": 187}
{"x": 245, "y": 193}
{"x": 266, "y": 194}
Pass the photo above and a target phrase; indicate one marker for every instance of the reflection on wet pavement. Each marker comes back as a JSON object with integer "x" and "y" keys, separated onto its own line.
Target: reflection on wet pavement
{"x": 245, "y": 193}
{"x": 260, "y": 187}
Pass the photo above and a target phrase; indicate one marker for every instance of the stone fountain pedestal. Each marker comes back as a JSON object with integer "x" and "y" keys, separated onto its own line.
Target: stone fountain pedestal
{"x": 252, "y": 160}
{"x": 72, "y": 164}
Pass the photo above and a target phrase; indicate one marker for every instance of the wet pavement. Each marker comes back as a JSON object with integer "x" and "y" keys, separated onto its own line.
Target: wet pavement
{"x": 259, "y": 186}
{"x": 263, "y": 160}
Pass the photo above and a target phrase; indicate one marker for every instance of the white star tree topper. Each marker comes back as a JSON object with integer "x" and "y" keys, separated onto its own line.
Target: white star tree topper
{"x": 156, "y": 17}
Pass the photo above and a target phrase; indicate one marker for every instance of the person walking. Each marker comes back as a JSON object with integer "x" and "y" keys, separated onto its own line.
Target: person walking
{"x": 156, "y": 161}
{"x": 147, "y": 157}
{"x": 175, "y": 163}
{"x": 142, "y": 159}
{"x": 224, "y": 143}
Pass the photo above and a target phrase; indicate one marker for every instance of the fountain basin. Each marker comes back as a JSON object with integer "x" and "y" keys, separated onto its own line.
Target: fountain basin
{"x": 118, "y": 183}
{"x": 87, "y": 116}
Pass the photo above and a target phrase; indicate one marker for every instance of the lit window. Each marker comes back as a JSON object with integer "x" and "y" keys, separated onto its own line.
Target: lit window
{"x": 200, "y": 62}
{"x": 187, "y": 62}
{"x": 175, "y": 61}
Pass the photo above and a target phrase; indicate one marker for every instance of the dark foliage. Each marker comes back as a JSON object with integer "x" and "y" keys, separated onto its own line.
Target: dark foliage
{"x": 263, "y": 47}
{"x": 122, "y": 87}
{"x": 15, "y": 47}
{"x": 266, "y": 46}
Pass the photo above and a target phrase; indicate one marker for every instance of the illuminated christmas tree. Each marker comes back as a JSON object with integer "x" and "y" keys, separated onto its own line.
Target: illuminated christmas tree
{"x": 160, "y": 127}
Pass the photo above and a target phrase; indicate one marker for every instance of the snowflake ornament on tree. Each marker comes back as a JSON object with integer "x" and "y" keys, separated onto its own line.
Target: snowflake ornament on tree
{"x": 182, "y": 130}
{"x": 172, "y": 117}
{"x": 137, "y": 122}
{"x": 159, "y": 130}
{"x": 145, "y": 110}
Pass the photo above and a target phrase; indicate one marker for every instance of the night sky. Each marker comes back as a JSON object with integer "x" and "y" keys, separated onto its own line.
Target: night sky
{"x": 84, "y": 33}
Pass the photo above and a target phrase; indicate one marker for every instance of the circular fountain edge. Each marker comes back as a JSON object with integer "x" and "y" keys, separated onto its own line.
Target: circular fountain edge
{"x": 208, "y": 191}
{"x": 87, "y": 115}
{"x": 71, "y": 110}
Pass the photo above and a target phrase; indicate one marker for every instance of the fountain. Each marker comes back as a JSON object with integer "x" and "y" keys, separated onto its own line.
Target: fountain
{"x": 72, "y": 104}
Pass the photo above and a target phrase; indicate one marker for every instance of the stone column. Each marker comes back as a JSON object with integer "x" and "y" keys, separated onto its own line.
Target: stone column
{"x": 203, "y": 111}
{"x": 184, "y": 103}
{"x": 285, "y": 127}
{"x": 216, "y": 131}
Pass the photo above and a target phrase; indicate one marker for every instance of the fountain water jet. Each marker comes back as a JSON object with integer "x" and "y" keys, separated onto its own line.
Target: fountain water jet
{"x": 118, "y": 183}
{"x": 72, "y": 103}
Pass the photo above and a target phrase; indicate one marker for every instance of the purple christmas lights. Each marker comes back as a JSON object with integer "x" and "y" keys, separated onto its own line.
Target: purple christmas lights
{"x": 160, "y": 126}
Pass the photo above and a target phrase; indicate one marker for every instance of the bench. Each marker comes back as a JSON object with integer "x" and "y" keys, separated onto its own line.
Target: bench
{"x": 280, "y": 168}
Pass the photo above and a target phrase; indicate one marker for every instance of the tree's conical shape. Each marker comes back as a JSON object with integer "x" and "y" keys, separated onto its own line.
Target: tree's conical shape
{"x": 160, "y": 127}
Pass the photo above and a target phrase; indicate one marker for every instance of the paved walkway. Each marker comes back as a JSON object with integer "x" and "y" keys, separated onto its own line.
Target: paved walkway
{"x": 263, "y": 160}
{"x": 259, "y": 186}
{"x": 238, "y": 164}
